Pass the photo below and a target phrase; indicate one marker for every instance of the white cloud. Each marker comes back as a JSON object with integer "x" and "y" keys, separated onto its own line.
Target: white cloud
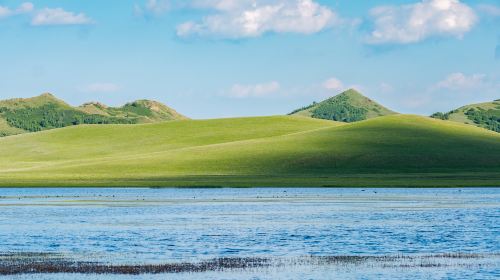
{"x": 5, "y": 12}
{"x": 460, "y": 81}
{"x": 386, "y": 88}
{"x": 26, "y": 7}
{"x": 240, "y": 19}
{"x": 157, "y": 6}
{"x": 58, "y": 16}
{"x": 416, "y": 22}
{"x": 101, "y": 88}
{"x": 221, "y": 5}
{"x": 257, "y": 90}
{"x": 333, "y": 84}
{"x": 491, "y": 10}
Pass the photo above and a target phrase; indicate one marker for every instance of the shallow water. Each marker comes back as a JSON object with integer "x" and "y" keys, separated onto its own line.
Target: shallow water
{"x": 155, "y": 226}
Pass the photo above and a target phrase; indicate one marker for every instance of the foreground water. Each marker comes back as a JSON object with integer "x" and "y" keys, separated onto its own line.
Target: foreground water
{"x": 282, "y": 226}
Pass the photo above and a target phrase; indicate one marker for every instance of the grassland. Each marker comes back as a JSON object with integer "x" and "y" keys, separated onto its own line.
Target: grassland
{"x": 397, "y": 150}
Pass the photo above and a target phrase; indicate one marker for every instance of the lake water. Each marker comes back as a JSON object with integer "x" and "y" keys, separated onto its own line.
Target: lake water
{"x": 444, "y": 233}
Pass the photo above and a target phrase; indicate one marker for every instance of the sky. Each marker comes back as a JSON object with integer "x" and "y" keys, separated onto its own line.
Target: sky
{"x": 228, "y": 58}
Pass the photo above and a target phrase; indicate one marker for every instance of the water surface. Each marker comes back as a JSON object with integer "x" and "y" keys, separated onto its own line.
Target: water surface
{"x": 155, "y": 226}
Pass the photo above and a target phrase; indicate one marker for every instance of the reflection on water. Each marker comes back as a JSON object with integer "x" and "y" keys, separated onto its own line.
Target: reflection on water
{"x": 159, "y": 226}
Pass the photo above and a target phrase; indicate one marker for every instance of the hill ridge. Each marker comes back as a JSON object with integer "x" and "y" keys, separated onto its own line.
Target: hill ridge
{"x": 484, "y": 114}
{"x": 46, "y": 111}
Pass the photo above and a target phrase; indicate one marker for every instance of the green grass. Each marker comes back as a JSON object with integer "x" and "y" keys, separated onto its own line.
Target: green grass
{"x": 397, "y": 150}
{"x": 6, "y": 129}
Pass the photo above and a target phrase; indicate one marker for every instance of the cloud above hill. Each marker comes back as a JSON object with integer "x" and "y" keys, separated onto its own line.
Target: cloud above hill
{"x": 333, "y": 84}
{"x": 416, "y": 22}
{"x": 254, "y": 90}
{"x": 46, "y": 16}
{"x": 59, "y": 16}
{"x": 490, "y": 10}
{"x": 21, "y": 9}
{"x": 101, "y": 88}
{"x": 460, "y": 81}
{"x": 243, "y": 19}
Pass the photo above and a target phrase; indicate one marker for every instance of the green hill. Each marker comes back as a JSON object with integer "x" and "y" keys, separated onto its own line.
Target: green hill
{"x": 348, "y": 106}
{"x": 145, "y": 111}
{"x": 396, "y": 150}
{"x": 47, "y": 112}
{"x": 486, "y": 115}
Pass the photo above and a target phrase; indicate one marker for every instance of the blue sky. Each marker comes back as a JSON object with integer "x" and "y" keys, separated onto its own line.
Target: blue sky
{"x": 224, "y": 58}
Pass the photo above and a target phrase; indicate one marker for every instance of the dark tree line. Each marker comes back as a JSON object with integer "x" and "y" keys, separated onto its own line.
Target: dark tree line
{"x": 50, "y": 116}
{"x": 303, "y": 108}
{"x": 489, "y": 119}
{"x": 339, "y": 109}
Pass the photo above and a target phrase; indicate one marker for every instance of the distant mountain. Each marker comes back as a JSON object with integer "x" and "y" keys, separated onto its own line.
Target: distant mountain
{"x": 145, "y": 111}
{"x": 486, "y": 115}
{"x": 348, "y": 106}
{"x": 21, "y": 115}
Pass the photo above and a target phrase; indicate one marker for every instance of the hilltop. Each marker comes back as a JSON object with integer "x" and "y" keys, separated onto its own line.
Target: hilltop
{"x": 348, "y": 106}
{"x": 396, "y": 150}
{"x": 486, "y": 115}
{"x": 21, "y": 115}
{"x": 145, "y": 111}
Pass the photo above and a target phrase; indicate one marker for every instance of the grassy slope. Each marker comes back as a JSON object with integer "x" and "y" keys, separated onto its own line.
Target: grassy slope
{"x": 6, "y": 129}
{"x": 459, "y": 115}
{"x": 397, "y": 150}
{"x": 355, "y": 99}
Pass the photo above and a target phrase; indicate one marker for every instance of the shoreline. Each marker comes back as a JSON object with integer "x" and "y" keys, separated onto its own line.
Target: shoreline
{"x": 403, "y": 180}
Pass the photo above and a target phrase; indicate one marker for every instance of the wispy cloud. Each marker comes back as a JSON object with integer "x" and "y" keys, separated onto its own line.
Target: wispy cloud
{"x": 385, "y": 88}
{"x": 59, "y": 16}
{"x": 153, "y": 7}
{"x": 255, "y": 90}
{"x": 26, "y": 7}
{"x": 101, "y": 88}
{"x": 5, "y": 12}
{"x": 244, "y": 19}
{"x": 333, "y": 84}
{"x": 488, "y": 9}
{"x": 416, "y": 22}
{"x": 460, "y": 81}
{"x": 46, "y": 16}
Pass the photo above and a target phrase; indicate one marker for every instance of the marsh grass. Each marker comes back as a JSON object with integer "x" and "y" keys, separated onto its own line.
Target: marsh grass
{"x": 50, "y": 263}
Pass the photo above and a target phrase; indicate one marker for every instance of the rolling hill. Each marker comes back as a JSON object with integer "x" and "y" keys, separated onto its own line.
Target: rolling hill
{"x": 348, "y": 106}
{"x": 47, "y": 112}
{"x": 486, "y": 115}
{"x": 145, "y": 111}
{"x": 395, "y": 150}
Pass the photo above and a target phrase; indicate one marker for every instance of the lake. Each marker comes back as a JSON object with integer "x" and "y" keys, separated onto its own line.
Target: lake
{"x": 255, "y": 233}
